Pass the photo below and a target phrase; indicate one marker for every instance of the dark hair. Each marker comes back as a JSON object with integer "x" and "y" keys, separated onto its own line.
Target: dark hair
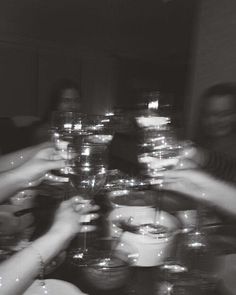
{"x": 57, "y": 89}
{"x": 218, "y": 90}
{"x": 221, "y": 89}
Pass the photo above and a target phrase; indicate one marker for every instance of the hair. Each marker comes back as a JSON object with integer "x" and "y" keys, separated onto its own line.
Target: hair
{"x": 57, "y": 90}
{"x": 221, "y": 89}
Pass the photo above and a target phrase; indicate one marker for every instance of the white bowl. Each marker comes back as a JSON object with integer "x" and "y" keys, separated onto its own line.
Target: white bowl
{"x": 138, "y": 204}
{"x": 53, "y": 287}
{"x": 152, "y": 250}
{"x": 132, "y": 199}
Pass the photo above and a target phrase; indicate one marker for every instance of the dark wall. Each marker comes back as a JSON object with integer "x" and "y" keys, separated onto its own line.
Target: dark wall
{"x": 214, "y": 51}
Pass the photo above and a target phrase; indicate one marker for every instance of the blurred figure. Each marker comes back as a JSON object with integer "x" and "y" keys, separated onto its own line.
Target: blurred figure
{"x": 217, "y": 121}
{"x": 65, "y": 97}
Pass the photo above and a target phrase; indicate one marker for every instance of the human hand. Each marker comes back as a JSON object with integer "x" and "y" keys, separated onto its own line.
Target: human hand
{"x": 15, "y": 159}
{"x": 35, "y": 169}
{"x": 187, "y": 156}
{"x": 202, "y": 187}
{"x": 71, "y": 214}
{"x": 191, "y": 157}
{"x": 190, "y": 182}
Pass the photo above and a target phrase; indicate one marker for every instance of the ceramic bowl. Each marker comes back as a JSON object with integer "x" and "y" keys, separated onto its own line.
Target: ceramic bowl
{"x": 54, "y": 287}
{"x": 152, "y": 249}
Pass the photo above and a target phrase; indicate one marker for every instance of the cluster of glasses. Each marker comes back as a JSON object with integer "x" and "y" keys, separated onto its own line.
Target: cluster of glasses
{"x": 83, "y": 141}
{"x": 159, "y": 148}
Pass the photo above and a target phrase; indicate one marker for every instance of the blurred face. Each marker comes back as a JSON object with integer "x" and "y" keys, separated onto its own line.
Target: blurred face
{"x": 69, "y": 100}
{"x": 219, "y": 115}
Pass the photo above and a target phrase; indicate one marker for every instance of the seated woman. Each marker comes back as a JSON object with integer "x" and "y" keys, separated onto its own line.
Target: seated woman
{"x": 217, "y": 119}
{"x": 30, "y": 168}
{"x": 65, "y": 97}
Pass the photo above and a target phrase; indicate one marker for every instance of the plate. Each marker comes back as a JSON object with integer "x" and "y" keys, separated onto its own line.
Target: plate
{"x": 53, "y": 287}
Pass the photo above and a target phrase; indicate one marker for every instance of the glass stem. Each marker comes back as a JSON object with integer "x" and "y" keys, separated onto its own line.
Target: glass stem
{"x": 199, "y": 217}
{"x": 158, "y": 206}
{"x": 85, "y": 240}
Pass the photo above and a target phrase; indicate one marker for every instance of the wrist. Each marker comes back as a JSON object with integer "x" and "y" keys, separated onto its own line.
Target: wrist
{"x": 47, "y": 247}
{"x": 20, "y": 179}
{"x": 61, "y": 233}
{"x": 15, "y": 178}
{"x": 51, "y": 244}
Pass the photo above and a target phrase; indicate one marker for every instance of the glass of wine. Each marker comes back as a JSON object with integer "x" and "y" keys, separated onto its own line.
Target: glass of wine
{"x": 65, "y": 128}
{"x": 88, "y": 176}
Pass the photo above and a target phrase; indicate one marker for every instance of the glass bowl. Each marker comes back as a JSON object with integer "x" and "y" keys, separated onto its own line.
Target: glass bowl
{"x": 107, "y": 264}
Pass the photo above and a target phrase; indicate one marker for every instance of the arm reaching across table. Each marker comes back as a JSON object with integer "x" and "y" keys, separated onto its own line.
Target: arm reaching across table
{"x": 30, "y": 172}
{"x": 202, "y": 186}
{"x": 15, "y": 159}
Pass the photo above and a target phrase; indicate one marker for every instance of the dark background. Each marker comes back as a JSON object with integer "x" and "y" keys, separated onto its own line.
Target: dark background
{"x": 140, "y": 44}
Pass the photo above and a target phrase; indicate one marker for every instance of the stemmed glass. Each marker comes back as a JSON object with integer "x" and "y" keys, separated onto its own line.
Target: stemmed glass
{"x": 87, "y": 182}
{"x": 65, "y": 127}
{"x": 194, "y": 237}
{"x": 88, "y": 174}
{"x": 159, "y": 151}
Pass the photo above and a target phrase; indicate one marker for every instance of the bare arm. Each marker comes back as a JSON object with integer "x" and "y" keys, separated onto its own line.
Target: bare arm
{"x": 203, "y": 187}
{"x": 18, "y": 272}
{"x": 30, "y": 173}
{"x": 15, "y": 159}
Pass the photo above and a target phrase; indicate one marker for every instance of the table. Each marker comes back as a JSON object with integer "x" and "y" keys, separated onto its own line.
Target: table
{"x": 144, "y": 281}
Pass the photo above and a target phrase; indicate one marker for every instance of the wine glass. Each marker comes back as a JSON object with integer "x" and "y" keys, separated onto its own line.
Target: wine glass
{"x": 195, "y": 238}
{"x": 108, "y": 265}
{"x": 65, "y": 127}
{"x": 100, "y": 127}
{"x": 159, "y": 151}
{"x": 88, "y": 176}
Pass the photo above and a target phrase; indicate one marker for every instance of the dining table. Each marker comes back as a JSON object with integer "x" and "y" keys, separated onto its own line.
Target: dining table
{"x": 214, "y": 268}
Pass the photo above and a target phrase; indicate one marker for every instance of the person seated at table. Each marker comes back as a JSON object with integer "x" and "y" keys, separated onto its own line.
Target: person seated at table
{"x": 215, "y": 137}
{"x": 217, "y": 119}
{"x": 65, "y": 97}
{"x": 30, "y": 166}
